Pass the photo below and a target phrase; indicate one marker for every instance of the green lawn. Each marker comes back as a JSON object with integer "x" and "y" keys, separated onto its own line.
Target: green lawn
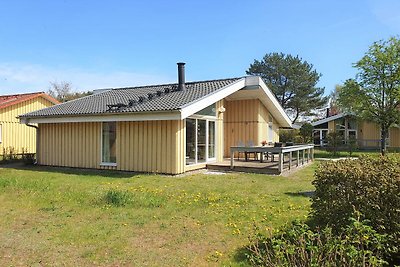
{"x": 55, "y": 216}
{"x": 321, "y": 153}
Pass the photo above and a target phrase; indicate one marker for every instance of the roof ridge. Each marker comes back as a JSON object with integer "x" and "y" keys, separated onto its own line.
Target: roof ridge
{"x": 34, "y": 93}
{"x": 167, "y": 84}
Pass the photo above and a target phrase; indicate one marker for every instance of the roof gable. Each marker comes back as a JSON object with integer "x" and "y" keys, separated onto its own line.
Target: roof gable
{"x": 9, "y": 100}
{"x": 331, "y": 118}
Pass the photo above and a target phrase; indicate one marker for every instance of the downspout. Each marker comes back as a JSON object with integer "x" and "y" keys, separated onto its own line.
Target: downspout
{"x": 37, "y": 138}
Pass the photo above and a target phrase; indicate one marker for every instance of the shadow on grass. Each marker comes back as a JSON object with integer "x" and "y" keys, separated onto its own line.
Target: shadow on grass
{"x": 301, "y": 194}
{"x": 69, "y": 170}
{"x": 240, "y": 257}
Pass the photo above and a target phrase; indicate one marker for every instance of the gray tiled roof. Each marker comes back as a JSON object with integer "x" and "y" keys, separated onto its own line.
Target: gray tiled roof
{"x": 97, "y": 103}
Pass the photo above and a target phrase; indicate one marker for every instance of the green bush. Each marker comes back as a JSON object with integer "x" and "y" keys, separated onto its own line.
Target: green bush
{"x": 370, "y": 186}
{"x": 306, "y": 132}
{"x": 299, "y": 245}
{"x": 366, "y": 188}
{"x": 288, "y": 135}
{"x": 117, "y": 198}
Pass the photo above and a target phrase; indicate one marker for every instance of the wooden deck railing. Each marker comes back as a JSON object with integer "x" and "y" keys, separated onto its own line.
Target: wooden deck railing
{"x": 307, "y": 153}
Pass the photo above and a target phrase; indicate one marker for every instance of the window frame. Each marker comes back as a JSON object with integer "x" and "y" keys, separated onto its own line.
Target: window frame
{"x": 102, "y": 163}
{"x": 207, "y": 119}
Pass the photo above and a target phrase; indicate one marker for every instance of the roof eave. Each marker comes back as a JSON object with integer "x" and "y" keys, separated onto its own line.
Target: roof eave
{"x": 201, "y": 103}
{"x": 133, "y": 116}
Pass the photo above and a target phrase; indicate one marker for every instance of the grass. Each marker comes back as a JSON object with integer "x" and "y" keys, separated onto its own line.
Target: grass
{"x": 322, "y": 153}
{"x": 55, "y": 216}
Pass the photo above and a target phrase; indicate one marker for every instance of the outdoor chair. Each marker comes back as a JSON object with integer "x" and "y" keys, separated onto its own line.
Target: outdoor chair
{"x": 277, "y": 144}
{"x": 255, "y": 154}
{"x": 240, "y": 143}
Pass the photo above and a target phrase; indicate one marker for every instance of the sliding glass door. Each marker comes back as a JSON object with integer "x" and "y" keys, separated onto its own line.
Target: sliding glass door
{"x": 200, "y": 140}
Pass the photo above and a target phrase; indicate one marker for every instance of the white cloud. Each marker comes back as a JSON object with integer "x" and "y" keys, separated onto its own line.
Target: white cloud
{"x": 21, "y": 78}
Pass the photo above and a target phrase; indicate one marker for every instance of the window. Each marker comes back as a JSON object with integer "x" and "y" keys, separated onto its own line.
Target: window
{"x": 208, "y": 111}
{"x": 211, "y": 139}
{"x": 109, "y": 136}
{"x": 200, "y": 140}
{"x": 270, "y": 129}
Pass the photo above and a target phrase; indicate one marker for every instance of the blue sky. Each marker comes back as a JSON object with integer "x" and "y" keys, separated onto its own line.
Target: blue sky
{"x": 100, "y": 44}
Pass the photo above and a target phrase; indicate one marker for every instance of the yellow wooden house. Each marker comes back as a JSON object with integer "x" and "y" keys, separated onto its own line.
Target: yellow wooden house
{"x": 168, "y": 128}
{"x": 16, "y": 137}
{"x": 348, "y": 126}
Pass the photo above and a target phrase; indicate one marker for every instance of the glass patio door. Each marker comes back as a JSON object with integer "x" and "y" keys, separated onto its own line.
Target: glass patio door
{"x": 200, "y": 140}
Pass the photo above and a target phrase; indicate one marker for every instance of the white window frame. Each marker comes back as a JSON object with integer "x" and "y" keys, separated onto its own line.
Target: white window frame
{"x": 207, "y": 119}
{"x": 107, "y": 164}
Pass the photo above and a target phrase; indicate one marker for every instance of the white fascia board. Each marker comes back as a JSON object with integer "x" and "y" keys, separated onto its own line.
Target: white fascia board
{"x": 190, "y": 109}
{"x": 154, "y": 116}
{"x": 278, "y": 113}
{"x": 331, "y": 118}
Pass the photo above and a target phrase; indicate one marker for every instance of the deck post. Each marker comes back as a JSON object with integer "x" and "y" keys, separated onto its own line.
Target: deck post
{"x": 312, "y": 154}
{"x": 290, "y": 160}
{"x": 232, "y": 158}
{"x": 302, "y": 160}
{"x": 280, "y": 165}
{"x": 308, "y": 155}
{"x": 298, "y": 158}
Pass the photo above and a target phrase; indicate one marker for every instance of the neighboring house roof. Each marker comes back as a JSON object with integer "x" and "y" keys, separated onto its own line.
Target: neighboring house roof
{"x": 9, "y": 100}
{"x": 331, "y": 118}
{"x": 162, "y": 101}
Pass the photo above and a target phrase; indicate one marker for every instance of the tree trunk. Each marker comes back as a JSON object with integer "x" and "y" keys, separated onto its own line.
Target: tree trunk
{"x": 384, "y": 131}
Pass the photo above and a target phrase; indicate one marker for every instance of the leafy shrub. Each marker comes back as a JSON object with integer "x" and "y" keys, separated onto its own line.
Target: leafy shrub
{"x": 351, "y": 145}
{"x": 370, "y": 186}
{"x": 287, "y": 135}
{"x": 306, "y": 132}
{"x": 334, "y": 141}
{"x": 299, "y": 245}
{"x": 117, "y": 198}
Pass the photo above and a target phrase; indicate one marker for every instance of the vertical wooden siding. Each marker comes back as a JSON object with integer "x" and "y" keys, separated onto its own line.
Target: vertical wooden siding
{"x": 371, "y": 131}
{"x": 146, "y": 146}
{"x": 151, "y": 146}
{"x": 246, "y": 121}
{"x": 16, "y": 135}
{"x": 70, "y": 144}
{"x": 394, "y": 135}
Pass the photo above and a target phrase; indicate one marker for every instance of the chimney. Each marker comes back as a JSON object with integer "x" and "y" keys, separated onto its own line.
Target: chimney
{"x": 181, "y": 76}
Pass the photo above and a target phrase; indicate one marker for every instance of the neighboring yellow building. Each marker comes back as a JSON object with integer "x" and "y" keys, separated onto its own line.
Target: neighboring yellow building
{"x": 169, "y": 128}
{"x": 13, "y": 135}
{"x": 366, "y": 133}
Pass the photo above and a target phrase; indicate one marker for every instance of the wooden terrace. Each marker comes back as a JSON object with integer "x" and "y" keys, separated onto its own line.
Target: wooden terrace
{"x": 266, "y": 159}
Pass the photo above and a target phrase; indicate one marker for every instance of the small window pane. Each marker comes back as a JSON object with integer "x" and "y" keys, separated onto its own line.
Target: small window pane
{"x": 211, "y": 139}
{"x": 109, "y": 144}
{"x": 208, "y": 111}
{"x": 190, "y": 141}
{"x": 201, "y": 140}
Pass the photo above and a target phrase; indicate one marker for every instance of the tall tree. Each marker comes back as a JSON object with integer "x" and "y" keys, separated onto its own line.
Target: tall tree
{"x": 375, "y": 93}
{"x": 293, "y": 81}
{"x": 63, "y": 92}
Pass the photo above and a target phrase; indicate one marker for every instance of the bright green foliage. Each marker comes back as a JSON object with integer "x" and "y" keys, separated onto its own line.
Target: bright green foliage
{"x": 334, "y": 141}
{"x": 292, "y": 80}
{"x": 288, "y": 135}
{"x": 370, "y": 186}
{"x": 375, "y": 94}
{"x": 306, "y": 131}
{"x": 299, "y": 245}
